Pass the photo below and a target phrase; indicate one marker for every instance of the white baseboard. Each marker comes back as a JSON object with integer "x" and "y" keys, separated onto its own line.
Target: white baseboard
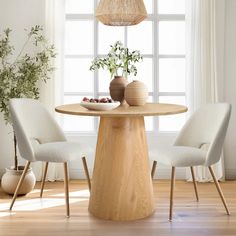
{"x": 230, "y": 174}
{"x": 161, "y": 173}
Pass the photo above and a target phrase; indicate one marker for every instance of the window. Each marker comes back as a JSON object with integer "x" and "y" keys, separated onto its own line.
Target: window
{"x": 162, "y": 69}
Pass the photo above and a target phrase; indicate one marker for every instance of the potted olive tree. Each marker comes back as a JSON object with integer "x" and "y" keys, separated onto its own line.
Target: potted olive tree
{"x": 120, "y": 62}
{"x": 19, "y": 78}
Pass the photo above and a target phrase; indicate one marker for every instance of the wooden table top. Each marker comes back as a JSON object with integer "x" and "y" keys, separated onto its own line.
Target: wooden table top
{"x": 149, "y": 109}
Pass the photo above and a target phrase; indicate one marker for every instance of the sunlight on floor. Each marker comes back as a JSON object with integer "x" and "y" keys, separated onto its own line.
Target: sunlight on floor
{"x": 43, "y": 203}
{"x": 81, "y": 193}
{"x": 2, "y": 214}
{"x": 38, "y": 191}
{"x": 37, "y": 204}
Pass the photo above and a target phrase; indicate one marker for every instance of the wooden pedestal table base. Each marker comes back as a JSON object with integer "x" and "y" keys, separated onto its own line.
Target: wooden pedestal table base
{"x": 122, "y": 186}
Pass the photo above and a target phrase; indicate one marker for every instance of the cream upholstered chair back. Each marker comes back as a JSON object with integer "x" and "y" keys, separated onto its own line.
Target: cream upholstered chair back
{"x": 33, "y": 125}
{"x": 208, "y": 125}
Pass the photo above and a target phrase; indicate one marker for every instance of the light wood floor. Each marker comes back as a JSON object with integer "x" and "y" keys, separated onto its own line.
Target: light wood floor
{"x": 46, "y": 217}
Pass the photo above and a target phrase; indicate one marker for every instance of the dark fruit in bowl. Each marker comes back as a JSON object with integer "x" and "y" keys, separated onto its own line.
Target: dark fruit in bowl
{"x": 85, "y": 99}
{"x": 103, "y": 100}
{"x": 95, "y": 100}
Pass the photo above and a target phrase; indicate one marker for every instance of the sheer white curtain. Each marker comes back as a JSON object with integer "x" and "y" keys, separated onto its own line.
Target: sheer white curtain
{"x": 50, "y": 93}
{"x": 201, "y": 61}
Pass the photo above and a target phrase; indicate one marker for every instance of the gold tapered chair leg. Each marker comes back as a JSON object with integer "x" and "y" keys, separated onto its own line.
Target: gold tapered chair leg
{"x": 154, "y": 166}
{"x": 86, "y": 173}
{"x": 172, "y": 192}
{"x": 19, "y": 184}
{"x": 66, "y": 184}
{"x": 219, "y": 189}
{"x": 194, "y": 182}
{"x": 44, "y": 178}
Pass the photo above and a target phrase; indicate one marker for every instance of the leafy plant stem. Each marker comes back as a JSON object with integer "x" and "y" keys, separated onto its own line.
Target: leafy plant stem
{"x": 15, "y": 153}
{"x": 21, "y": 78}
{"x": 22, "y": 49}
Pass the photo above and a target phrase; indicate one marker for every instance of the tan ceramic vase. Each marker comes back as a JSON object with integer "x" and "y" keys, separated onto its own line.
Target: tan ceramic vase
{"x": 117, "y": 88}
{"x": 11, "y": 178}
{"x": 136, "y": 93}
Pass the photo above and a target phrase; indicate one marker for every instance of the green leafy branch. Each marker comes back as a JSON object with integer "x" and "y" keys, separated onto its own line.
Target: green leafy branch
{"x": 20, "y": 77}
{"x": 118, "y": 59}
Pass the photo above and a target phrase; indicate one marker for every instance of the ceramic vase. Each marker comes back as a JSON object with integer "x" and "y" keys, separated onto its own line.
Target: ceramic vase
{"x": 117, "y": 88}
{"x": 136, "y": 93}
{"x": 11, "y": 178}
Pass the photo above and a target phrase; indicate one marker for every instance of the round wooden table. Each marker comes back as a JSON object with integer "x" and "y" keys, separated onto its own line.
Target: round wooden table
{"x": 122, "y": 185}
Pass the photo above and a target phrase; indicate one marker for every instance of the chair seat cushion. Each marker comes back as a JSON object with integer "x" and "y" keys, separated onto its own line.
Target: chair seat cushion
{"x": 179, "y": 156}
{"x": 61, "y": 151}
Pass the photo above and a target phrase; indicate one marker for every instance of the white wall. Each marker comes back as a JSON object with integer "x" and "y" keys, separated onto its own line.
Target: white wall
{"x": 17, "y": 15}
{"x": 230, "y": 85}
{"x": 20, "y": 14}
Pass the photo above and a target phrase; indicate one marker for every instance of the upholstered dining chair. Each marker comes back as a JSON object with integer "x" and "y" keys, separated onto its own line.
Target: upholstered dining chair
{"x": 208, "y": 125}
{"x": 40, "y": 138}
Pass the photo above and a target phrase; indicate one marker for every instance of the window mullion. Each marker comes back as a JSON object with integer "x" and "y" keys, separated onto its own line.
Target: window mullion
{"x": 172, "y": 93}
{"x": 171, "y": 56}
{"x": 171, "y": 17}
{"x": 126, "y": 37}
{"x": 155, "y": 63}
{"x": 96, "y": 84}
{"x": 73, "y": 17}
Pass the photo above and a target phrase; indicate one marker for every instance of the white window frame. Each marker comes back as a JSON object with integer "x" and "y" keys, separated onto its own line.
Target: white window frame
{"x": 155, "y": 18}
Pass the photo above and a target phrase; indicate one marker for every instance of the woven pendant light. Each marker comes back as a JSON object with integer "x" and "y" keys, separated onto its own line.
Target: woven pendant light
{"x": 121, "y": 12}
